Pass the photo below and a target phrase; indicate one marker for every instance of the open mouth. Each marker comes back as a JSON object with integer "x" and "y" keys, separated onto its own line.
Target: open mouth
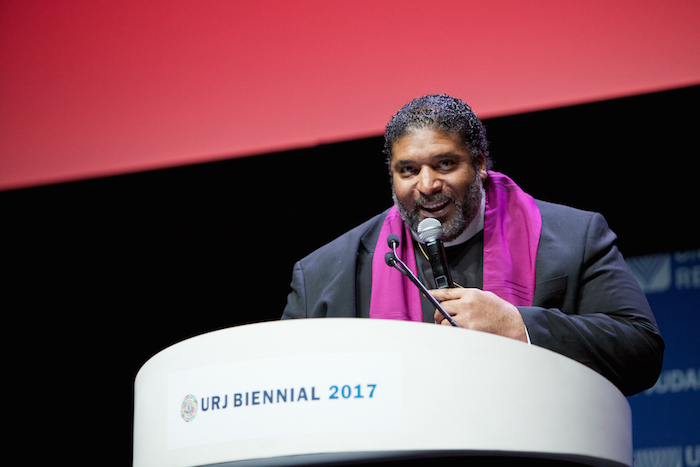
{"x": 434, "y": 208}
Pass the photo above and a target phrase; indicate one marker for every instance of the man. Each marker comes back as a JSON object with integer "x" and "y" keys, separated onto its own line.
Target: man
{"x": 533, "y": 271}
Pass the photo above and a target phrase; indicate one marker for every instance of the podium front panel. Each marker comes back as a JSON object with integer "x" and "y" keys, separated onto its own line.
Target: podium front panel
{"x": 319, "y": 391}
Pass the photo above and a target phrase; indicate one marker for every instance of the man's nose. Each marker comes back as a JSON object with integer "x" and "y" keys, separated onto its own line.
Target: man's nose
{"x": 429, "y": 182}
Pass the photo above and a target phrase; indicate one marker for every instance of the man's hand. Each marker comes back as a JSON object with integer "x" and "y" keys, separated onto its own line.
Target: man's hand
{"x": 480, "y": 311}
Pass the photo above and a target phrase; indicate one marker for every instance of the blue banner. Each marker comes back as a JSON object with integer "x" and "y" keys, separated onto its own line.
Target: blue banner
{"x": 666, "y": 418}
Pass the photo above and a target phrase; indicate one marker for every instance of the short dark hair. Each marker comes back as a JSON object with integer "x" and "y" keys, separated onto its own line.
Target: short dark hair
{"x": 440, "y": 112}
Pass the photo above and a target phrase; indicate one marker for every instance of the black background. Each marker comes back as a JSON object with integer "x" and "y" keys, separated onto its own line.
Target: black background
{"x": 99, "y": 275}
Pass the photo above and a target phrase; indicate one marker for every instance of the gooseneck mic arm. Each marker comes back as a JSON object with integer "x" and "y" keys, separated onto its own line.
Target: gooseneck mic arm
{"x": 392, "y": 259}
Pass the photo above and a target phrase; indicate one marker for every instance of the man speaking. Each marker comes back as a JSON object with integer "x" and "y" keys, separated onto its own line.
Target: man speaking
{"x": 522, "y": 268}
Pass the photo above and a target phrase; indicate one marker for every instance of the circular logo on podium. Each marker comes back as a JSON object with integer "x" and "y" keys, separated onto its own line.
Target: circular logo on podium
{"x": 188, "y": 409}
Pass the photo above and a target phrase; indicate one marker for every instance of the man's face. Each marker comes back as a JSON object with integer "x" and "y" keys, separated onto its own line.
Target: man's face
{"x": 433, "y": 176}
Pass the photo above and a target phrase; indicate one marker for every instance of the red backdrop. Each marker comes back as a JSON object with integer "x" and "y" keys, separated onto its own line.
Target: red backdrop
{"x": 96, "y": 87}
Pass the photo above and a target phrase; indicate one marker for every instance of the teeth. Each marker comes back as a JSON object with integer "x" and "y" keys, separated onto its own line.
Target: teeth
{"x": 434, "y": 206}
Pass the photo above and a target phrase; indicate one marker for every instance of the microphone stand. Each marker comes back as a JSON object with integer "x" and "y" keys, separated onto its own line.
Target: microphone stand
{"x": 392, "y": 259}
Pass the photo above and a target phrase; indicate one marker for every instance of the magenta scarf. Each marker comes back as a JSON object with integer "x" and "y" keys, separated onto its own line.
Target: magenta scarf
{"x": 393, "y": 295}
{"x": 512, "y": 227}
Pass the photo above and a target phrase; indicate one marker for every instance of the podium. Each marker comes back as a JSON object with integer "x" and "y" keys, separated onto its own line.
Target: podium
{"x": 339, "y": 391}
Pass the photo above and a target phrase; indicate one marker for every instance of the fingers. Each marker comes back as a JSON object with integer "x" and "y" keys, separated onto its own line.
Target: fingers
{"x": 448, "y": 294}
{"x": 445, "y": 295}
{"x": 440, "y": 318}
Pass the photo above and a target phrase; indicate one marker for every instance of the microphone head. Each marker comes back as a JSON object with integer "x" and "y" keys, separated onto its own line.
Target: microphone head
{"x": 390, "y": 259}
{"x": 392, "y": 239}
{"x": 430, "y": 229}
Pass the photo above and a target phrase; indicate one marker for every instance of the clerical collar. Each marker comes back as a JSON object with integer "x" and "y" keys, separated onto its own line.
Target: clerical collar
{"x": 476, "y": 226}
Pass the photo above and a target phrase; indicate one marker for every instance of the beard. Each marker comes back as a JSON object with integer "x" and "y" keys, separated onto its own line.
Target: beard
{"x": 466, "y": 209}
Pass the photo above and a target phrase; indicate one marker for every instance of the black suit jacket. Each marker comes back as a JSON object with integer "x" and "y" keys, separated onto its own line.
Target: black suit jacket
{"x": 587, "y": 306}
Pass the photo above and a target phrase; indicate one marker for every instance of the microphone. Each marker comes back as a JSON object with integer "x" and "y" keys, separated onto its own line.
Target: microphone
{"x": 430, "y": 231}
{"x": 393, "y": 241}
{"x": 392, "y": 259}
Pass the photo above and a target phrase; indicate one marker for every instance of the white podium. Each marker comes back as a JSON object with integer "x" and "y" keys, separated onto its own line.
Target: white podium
{"x": 325, "y": 391}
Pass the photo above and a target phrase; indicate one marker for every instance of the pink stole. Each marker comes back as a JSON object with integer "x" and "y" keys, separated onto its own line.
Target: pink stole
{"x": 393, "y": 295}
{"x": 512, "y": 227}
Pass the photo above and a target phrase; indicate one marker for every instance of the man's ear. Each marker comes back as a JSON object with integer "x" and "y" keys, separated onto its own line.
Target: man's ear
{"x": 481, "y": 167}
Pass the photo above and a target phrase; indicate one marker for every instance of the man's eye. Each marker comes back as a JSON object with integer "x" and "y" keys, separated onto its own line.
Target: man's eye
{"x": 407, "y": 170}
{"x": 445, "y": 164}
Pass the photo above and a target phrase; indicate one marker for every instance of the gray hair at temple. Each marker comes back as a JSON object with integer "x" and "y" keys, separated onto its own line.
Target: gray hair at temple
{"x": 440, "y": 112}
